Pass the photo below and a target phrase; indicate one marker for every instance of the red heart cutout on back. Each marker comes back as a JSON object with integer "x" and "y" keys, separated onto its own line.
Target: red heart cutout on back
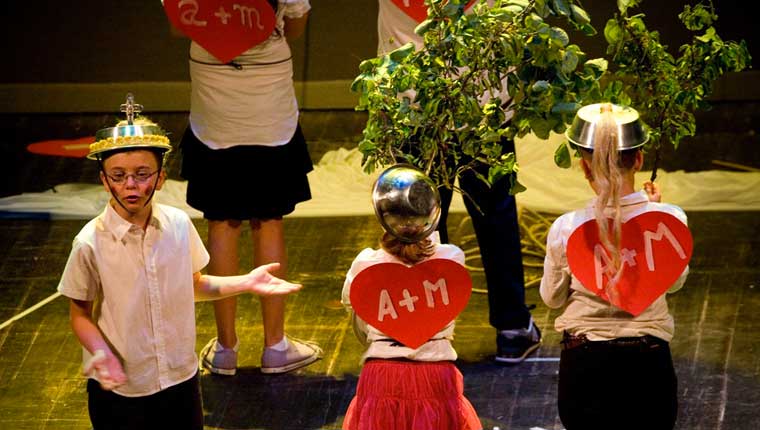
{"x": 411, "y": 304}
{"x": 655, "y": 249}
{"x": 224, "y": 28}
{"x": 417, "y": 9}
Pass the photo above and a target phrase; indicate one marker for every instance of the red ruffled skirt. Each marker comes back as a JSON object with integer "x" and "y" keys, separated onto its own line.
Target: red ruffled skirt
{"x": 414, "y": 395}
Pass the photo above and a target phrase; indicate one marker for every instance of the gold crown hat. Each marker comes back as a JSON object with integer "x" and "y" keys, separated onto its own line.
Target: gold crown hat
{"x": 130, "y": 134}
{"x": 630, "y": 129}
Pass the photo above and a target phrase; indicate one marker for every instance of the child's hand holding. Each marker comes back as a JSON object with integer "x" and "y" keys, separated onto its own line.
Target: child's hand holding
{"x": 107, "y": 368}
{"x": 260, "y": 281}
{"x": 653, "y": 191}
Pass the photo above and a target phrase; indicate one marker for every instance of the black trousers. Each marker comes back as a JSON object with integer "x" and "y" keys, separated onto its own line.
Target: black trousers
{"x": 498, "y": 233}
{"x": 603, "y": 385}
{"x": 177, "y": 407}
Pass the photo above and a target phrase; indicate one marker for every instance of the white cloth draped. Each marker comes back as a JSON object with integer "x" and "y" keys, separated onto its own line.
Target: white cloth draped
{"x": 340, "y": 188}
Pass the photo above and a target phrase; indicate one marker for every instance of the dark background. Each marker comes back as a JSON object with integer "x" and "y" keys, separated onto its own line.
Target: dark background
{"x": 96, "y": 45}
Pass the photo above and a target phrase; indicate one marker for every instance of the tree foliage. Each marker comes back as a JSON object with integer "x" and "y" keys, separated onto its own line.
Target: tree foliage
{"x": 442, "y": 107}
{"x": 667, "y": 89}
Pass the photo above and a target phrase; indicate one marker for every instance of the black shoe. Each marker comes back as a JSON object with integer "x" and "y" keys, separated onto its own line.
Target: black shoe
{"x": 513, "y": 346}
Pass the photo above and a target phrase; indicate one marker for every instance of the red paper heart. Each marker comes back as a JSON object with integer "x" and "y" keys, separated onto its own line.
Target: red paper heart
{"x": 224, "y": 28}
{"x": 417, "y": 9}
{"x": 656, "y": 247}
{"x": 403, "y": 302}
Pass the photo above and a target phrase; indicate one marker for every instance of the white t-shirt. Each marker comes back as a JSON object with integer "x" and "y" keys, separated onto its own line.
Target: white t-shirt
{"x": 253, "y": 105}
{"x": 439, "y": 348}
{"x": 141, "y": 283}
{"x": 585, "y": 312}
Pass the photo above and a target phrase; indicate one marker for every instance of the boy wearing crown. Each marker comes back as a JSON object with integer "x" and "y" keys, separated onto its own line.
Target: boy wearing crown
{"x": 132, "y": 278}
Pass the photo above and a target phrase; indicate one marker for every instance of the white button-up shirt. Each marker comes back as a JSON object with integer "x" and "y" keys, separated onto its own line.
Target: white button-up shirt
{"x": 141, "y": 283}
{"x": 585, "y": 312}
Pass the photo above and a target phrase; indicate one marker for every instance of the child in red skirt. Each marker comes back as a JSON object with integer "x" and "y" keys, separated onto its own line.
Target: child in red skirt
{"x": 402, "y": 387}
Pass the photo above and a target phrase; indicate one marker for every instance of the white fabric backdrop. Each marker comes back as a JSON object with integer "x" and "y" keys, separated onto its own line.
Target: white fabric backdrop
{"x": 340, "y": 188}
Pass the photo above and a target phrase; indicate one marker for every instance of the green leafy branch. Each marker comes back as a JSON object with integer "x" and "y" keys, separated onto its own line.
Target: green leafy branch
{"x": 667, "y": 90}
{"x": 445, "y": 108}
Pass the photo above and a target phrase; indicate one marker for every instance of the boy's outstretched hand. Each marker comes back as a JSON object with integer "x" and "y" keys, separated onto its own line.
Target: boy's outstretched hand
{"x": 653, "y": 191}
{"x": 260, "y": 281}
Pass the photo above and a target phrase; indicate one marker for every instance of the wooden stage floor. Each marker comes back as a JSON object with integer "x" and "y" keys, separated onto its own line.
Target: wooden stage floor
{"x": 715, "y": 346}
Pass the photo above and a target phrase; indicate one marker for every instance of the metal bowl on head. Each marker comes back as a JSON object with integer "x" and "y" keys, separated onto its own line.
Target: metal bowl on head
{"x": 630, "y": 130}
{"x": 406, "y": 203}
{"x": 132, "y": 133}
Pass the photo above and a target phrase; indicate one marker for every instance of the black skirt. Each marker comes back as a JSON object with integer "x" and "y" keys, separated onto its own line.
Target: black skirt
{"x": 247, "y": 181}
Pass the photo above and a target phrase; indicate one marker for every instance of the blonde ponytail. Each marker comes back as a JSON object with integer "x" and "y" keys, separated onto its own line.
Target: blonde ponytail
{"x": 608, "y": 178}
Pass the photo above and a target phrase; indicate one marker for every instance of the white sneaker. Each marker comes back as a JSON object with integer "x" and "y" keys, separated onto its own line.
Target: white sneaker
{"x": 217, "y": 359}
{"x": 298, "y": 354}
{"x": 514, "y": 346}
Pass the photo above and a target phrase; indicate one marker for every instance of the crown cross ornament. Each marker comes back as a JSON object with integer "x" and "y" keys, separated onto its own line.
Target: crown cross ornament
{"x": 131, "y": 108}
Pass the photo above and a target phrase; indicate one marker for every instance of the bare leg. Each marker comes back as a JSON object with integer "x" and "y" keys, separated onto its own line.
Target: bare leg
{"x": 223, "y": 248}
{"x": 269, "y": 246}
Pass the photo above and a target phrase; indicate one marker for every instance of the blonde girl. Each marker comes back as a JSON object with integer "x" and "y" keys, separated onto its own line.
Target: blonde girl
{"x": 616, "y": 370}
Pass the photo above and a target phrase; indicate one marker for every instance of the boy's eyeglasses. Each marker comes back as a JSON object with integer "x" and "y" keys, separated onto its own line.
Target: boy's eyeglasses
{"x": 139, "y": 177}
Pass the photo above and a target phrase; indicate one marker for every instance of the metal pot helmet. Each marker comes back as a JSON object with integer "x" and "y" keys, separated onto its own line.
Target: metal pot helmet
{"x": 131, "y": 134}
{"x": 406, "y": 203}
{"x": 631, "y": 132}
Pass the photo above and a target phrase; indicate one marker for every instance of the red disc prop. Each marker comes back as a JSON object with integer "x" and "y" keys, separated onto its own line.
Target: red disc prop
{"x": 76, "y": 148}
{"x": 224, "y": 28}
{"x": 655, "y": 249}
{"x": 411, "y": 304}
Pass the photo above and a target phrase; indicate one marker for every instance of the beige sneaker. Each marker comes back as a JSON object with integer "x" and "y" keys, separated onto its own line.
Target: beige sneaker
{"x": 298, "y": 354}
{"x": 217, "y": 359}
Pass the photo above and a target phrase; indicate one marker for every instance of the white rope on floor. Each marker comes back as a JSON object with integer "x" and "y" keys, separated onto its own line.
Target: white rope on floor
{"x": 31, "y": 309}
{"x": 542, "y": 359}
{"x": 533, "y": 230}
